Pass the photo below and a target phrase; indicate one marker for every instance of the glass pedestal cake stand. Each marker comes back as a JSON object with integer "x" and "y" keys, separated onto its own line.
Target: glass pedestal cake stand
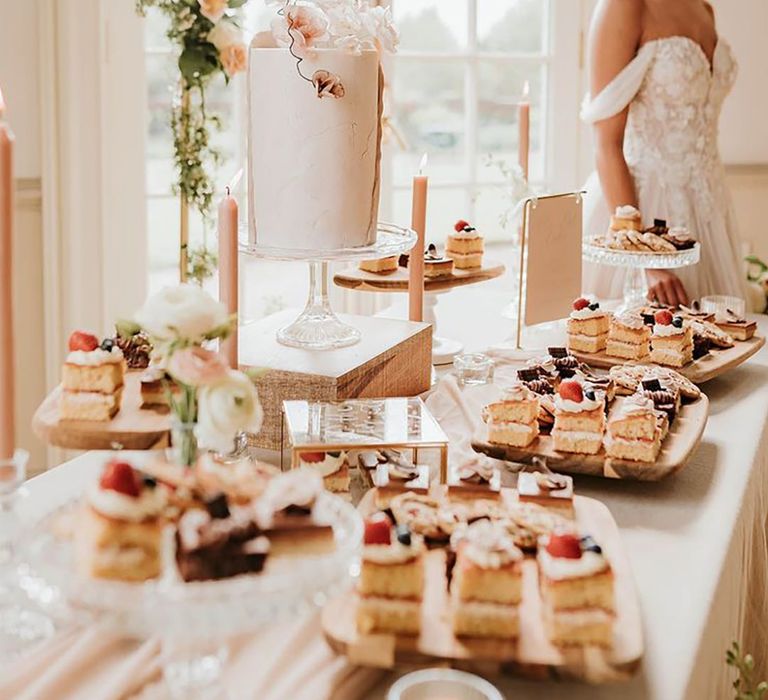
{"x": 193, "y": 620}
{"x": 318, "y": 327}
{"x": 635, "y": 286}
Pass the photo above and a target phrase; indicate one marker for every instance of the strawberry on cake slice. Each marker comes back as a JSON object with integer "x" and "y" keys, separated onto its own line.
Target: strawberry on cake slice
{"x": 672, "y": 340}
{"x": 333, "y": 466}
{"x": 587, "y": 327}
{"x": 465, "y": 246}
{"x": 579, "y": 418}
{"x": 92, "y": 378}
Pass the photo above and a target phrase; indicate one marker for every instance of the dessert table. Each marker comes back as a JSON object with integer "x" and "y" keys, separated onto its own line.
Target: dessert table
{"x": 696, "y": 542}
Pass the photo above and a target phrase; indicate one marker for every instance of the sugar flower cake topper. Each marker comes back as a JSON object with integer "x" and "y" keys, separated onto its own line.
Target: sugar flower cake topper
{"x": 302, "y": 26}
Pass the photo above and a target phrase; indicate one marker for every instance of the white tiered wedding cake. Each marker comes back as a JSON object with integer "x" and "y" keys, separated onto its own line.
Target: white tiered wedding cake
{"x": 314, "y": 132}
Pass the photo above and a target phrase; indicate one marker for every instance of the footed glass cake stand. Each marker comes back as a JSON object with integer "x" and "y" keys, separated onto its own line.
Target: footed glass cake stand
{"x": 194, "y": 620}
{"x": 318, "y": 327}
{"x": 635, "y": 286}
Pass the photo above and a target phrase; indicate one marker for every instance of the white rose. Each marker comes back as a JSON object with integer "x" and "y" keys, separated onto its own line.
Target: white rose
{"x": 225, "y": 34}
{"x": 225, "y": 409}
{"x": 185, "y": 312}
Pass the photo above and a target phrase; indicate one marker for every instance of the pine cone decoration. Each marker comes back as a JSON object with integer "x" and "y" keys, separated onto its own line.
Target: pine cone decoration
{"x": 136, "y": 349}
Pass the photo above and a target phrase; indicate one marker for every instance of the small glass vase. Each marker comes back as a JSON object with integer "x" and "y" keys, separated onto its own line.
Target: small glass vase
{"x": 183, "y": 442}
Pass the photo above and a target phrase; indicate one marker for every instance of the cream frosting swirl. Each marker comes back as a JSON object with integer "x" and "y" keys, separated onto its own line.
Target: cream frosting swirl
{"x": 667, "y": 331}
{"x": 637, "y": 404}
{"x": 517, "y": 391}
{"x": 585, "y": 404}
{"x": 473, "y": 233}
{"x": 560, "y": 568}
{"x": 586, "y": 312}
{"x": 630, "y": 320}
{"x": 95, "y": 357}
{"x": 394, "y": 553}
{"x": 627, "y": 211}
{"x": 112, "y": 504}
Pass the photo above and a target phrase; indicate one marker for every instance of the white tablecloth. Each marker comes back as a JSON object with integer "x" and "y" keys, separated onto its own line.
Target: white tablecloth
{"x": 696, "y": 542}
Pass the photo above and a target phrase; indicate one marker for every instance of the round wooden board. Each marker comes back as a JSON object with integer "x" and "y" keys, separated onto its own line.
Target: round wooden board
{"x": 133, "y": 428}
{"x": 683, "y": 438}
{"x": 533, "y": 655}
{"x": 397, "y": 281}
{"x": 699, "y": 371}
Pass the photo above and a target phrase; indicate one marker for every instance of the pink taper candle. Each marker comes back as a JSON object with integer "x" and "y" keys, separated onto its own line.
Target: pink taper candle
{"x": 6, "y": 288}
{"x": 228, "y": 284}
{"x": 416, "y": 260}
{"x": 524, "y": 124}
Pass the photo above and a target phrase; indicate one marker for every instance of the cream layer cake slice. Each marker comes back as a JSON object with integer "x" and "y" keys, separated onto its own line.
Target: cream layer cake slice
{"x": 380, "y": 266}
{"x": 551, "y": 491}
{"x": 332, "y": 466}
{"x": 396, "y": 473}
{"x": 487, "y": 582}
{"x": 579, "y": 418}
{"x": 577, "y": 590}
{"x": 587, "y": 327}
{"x": 391, "y": 580}
{"x": 477, "y": 477}
{"x": 738, "y": 327}
{"x": 628, "y": 337}
{"x": 634, "y": 430}
{"x": 513, "y": 420}
{"x": 672, "y": 340}
{"x": 465, "y": 246}
{"x": 626, "y": 218}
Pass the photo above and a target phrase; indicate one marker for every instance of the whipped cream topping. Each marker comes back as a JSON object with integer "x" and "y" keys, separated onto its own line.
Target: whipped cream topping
{"x": 517, "y": 391}
{"x": 629, "y": 320}
{"x": 477, "y": 470}
{"x": 546, "y": 362}
{"x": 112, "y": 504}
{"x": 728, "y": 316}
{"x": 586, "y": 404}
{"x": 474, "y": 233}
{"x": 627, "y": 211}
{"x": 560, "y": 568}
{"x": 667, "y": 331}
{"x": 637, "y": 404}
{"x": 394, "y": 553}
{"x": 95, "y": 357}
{"x": 586, "y": 312}
{"x": 486, "y": 544}
{"x": 329, "y": 465}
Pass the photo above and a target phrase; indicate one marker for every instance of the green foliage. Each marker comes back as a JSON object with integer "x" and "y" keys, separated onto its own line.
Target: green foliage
{"x": 744, "y": 685}
{"x": 202, "y": 264}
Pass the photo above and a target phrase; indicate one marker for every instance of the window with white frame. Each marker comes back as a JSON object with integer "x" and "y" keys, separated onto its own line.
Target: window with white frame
{"x": 453, "y": 93}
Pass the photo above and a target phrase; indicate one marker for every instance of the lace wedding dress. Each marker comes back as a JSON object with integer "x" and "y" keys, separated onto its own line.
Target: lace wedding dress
{"x": 675, "y": 97}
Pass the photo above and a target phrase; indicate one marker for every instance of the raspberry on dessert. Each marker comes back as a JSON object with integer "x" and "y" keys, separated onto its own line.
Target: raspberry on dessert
{"x": 564, "y": 546}
{"x": 580, "y": 303}
{"x": 460, "y": 225}
{"x": 80, "y": 340}
{"x": 121, "y": 477}
{"x": 378, "y": 529}
{"x": 571, "y": 390}
{"x": 663, "y": 317}
{"x": 312, "y": 457}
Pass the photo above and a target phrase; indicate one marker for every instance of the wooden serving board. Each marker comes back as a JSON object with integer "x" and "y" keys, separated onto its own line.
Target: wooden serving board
{"x": 677, "y": 447}
{"x": 397, "y": 281}
{"x": 133, "y": 428}
{"x": 533, "y": 655}
{"x": 699, "y": 371}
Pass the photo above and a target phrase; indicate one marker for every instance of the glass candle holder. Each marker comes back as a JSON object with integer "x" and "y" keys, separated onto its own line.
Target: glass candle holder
{"x": 442, "y": 684}
{"x": 473, "y": 368}
{"x": 720, "y": 305}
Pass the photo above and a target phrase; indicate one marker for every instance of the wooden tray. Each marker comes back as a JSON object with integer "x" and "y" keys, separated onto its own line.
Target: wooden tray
{"x": 533, "y": 656}
{"x": 133, "y": 428}
{"x": 677, "y": 447}
{"x": 397, "y": 281}
{"x": 698, "y": 371}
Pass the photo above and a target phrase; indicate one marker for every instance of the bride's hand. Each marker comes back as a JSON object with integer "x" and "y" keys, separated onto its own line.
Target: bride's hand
{"x": 665, "y": 287}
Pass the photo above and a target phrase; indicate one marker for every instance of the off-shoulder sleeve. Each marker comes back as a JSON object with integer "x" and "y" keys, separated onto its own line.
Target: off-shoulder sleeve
{"x": 615, "y": 96}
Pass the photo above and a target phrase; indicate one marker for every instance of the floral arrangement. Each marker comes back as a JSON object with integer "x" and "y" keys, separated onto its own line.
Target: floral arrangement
{"x": 745, "y": 686}
{"x": 211, "y": 403}
{"x": 209, "y": 44}
{"x": 351, "y": 25}
{"x": 757, "y": 278}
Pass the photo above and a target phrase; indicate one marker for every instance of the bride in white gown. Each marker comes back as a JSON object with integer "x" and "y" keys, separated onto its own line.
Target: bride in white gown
{"x": 659, "y": 75}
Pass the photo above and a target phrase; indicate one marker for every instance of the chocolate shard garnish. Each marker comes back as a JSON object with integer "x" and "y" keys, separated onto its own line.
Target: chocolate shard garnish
{"x": 528, "y": 374}
{"x": 652, "y": 385}
{"x": 557, "y": 352}
{"x": 218, "y": 506}
{"x": 649, "y": 319}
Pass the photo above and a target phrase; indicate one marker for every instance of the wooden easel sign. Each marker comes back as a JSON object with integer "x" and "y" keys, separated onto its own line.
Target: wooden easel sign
{"x": 550, "y": 258}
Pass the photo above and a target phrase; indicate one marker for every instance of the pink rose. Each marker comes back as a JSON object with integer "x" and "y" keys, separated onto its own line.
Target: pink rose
{"x": 234, "y": 58}
{"x": 195, "y": 366}
{"x": 212, "y": 9}
{"x": 305, "y": 25}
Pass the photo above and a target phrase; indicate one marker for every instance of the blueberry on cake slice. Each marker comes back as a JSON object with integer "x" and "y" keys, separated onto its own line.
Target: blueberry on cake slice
{"x": 513, "y": 420}
{"x": 333, "y": 466}
{"x": 579, "y": 418}
{"x": 465, "y": 246}
{"x": 391, "y": 580}
{"x": 672, "y": 340}
{"x": 576, "y": 585}
{"x": 120, "y": 525}
{"x": 487, "y": 582}
{"x": 92, "y": 379}
{"x": 634, "y": 431}
{"x": 587, "y": 327}
{"x": 628, "y": 337}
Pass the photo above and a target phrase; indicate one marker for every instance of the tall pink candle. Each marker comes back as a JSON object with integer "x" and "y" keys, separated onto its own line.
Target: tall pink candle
{"x": 6, "y": 287}
{"x": 228, "y": 284}
{"x": 524, "y": 125}
{"x": 416, "y": 259}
